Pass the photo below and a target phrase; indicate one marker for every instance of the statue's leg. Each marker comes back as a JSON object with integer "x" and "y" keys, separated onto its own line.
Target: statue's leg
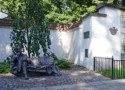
{"x": 19, "y": 64}
{"x": 25, "y": 70}
{"x": 56, "y": 70}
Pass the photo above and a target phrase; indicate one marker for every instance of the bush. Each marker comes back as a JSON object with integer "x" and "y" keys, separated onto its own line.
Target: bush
{"x": 63, "y": 64}
{"x": 4, "y": 67}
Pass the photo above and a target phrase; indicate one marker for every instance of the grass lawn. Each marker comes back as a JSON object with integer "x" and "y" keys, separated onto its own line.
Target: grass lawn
{"x": 117, "y": 74}
{"x": 4, "y": 67}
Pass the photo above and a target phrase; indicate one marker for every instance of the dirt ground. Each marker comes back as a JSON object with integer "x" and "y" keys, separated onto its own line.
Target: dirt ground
{"x": 74, "y": 75}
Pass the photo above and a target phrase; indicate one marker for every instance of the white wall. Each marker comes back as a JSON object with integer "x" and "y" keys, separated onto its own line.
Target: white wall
{"x": 87, "y": 26}
{"x": 74, "y": 48}
{"x": 5, "y": 49}
{"x": 65, "y": 44}
{"x": 104, "y": 44}
{"x": 60, "y": 41}
{"x": 78, "y": 44}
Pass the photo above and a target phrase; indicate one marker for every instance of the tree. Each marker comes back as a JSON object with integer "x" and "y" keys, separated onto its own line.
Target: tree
{"x": 10, "y": 7}
{"x": 60, "y": 11}
{"x": 30, "y": 29}
{"x": 68, "y": 11}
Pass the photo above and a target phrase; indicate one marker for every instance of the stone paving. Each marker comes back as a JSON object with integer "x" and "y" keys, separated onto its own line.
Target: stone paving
{"x": 101, "y": 85}
{"x": 72, "y": 76}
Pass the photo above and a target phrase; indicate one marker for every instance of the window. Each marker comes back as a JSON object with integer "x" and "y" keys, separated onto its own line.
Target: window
{"x": 86, "y": 34}
{"x": 86, "y": 53}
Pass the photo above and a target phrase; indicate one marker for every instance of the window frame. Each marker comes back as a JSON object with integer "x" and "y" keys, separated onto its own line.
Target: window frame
{"x": 86, "y": 53}
{"x": 86, "y": 34}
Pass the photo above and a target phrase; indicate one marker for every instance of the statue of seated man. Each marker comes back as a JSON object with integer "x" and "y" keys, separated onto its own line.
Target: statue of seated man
{"x": 20, "y": 62}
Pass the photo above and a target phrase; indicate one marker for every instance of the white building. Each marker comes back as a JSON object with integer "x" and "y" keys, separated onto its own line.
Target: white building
{"x": 81, "y": 41}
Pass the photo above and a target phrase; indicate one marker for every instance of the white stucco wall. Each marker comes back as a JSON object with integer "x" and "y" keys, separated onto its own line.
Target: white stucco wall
{"x": 5, "y": 49}
{"x": 78, "y": 44}
{"x": 74, "y": 48}
{"x": 60, "y": 41}
{"x": 87, "y": 26}
{"x": 101, "y": 42}
{"x": 104, "y": 44}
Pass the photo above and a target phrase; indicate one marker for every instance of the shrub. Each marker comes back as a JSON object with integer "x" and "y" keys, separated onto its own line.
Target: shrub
{"x": 54, "y": 57}
{"x": 63, "y": 64}
{"x": 4, "y": 67}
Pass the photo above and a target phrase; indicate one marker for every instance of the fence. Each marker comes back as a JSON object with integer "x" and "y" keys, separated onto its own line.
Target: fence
{"x": 110, "y": 67}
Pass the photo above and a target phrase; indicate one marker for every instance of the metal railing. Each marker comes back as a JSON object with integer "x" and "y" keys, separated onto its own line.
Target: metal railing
{"x": 110, "y": 67}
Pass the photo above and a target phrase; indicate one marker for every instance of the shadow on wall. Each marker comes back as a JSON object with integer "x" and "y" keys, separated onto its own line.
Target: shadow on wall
{"x": 68, "y": 44}
{"x": 5, "y": 48}
{"x": 74, "y": 50}
{"x": 78, "y": 45}
{"x": 60, "y": 43}
{"x": 86, "y": 44}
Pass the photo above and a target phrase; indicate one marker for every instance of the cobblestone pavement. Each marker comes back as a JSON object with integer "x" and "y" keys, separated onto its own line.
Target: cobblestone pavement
{"x": 101, "y": 85}
{"x": 74, "y": 75}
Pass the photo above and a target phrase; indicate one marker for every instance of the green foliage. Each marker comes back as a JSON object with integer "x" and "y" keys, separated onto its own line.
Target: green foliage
{"x": 63, "y": 64}
{"x": 54, "y": 57}
{"x": 4, "y": 67}
{"x": 60, "y": 11}
{"x": 30, "y": 29}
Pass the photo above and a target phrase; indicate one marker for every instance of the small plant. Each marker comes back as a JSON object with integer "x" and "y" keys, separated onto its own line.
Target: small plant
{"x": 63, "y": 64}
{"x": 5, "y": 67}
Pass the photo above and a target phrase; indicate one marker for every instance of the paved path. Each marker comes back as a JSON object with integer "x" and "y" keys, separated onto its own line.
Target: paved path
{"x": 74, "y": 75}
{"x": 102, "y": 85}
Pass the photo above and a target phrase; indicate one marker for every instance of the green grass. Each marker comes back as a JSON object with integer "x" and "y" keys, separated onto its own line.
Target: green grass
{"x": 63, "y": 64}
{"x": 4, "y": 67}
{"x": 116, "y": 73}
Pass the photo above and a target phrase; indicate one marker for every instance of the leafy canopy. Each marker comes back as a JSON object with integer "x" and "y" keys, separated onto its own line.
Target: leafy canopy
{"x": 30, "y": 29}
{"x": 62, "y": 11}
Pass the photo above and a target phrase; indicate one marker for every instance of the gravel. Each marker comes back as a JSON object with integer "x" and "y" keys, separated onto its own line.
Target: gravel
{"x": 74, "y": 75}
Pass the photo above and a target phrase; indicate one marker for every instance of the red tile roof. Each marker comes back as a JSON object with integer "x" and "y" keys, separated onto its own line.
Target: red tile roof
{"x": 6, "y": 22}
{"x": 51, "y": 25}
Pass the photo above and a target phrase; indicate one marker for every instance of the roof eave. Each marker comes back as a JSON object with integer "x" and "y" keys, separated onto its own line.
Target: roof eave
{"x": 101, "y": 5}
